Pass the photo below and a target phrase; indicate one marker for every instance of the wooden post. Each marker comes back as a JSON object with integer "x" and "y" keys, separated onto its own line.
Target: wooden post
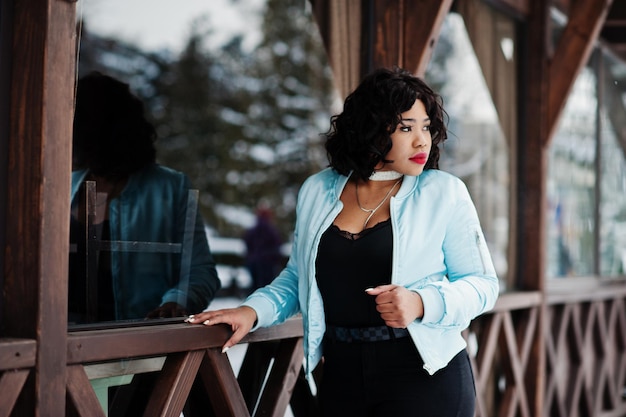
{"x": 531, "y": 183}
{"x": 37, "y": 208}
{"x": 402, "y": 33}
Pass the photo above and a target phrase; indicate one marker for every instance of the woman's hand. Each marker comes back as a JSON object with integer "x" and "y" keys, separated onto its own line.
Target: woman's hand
{"x": 397, "y": 305}
{"x": 241, "y": 320}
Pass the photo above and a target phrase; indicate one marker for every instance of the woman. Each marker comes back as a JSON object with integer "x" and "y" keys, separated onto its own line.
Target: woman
{"x": 389, "y": 263}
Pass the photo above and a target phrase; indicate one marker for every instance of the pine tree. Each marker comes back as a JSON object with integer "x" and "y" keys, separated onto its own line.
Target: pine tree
{"x": 291, "y": 110}
{"x": 245, "y": 126}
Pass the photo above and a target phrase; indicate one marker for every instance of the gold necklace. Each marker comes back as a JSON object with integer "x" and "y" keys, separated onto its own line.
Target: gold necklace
{"x": 372, "y": 211}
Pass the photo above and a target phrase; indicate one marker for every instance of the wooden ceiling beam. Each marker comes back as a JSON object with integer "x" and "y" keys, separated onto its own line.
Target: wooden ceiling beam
{"x": 583, "y": 27}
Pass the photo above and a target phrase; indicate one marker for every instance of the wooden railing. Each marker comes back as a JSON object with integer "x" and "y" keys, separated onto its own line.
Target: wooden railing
{"x": 584, "y": 347}
{"x": 500, "y": 344}
{"x": 17, "y": 360}
{"x": 189, "y": 351}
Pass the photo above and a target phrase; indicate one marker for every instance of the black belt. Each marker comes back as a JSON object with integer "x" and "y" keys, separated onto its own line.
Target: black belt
{"x": 364, "y": 334}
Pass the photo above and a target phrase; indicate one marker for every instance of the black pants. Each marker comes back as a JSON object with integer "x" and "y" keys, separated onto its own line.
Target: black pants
{"x": 386, "y": 379}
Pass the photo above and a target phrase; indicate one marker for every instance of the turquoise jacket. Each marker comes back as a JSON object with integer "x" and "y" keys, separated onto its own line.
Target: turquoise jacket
{"x": 438, "y": 251}
{"x": 152, "y": 208}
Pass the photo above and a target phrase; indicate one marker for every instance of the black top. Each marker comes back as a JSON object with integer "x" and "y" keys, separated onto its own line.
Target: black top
{"x": 346, "y": 265}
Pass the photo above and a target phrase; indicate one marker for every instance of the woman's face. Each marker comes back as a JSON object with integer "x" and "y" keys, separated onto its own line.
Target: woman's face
{"x": 411, "y": 142}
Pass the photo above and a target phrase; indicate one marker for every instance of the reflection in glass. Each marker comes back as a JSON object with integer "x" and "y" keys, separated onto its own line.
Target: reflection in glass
{"x": 476, "y": 149}
{"x": 141, "y": 250}
{"x": 613, "y": 174}
{"x": 571, "y": 183}
{"x": 587, "y": 176}
{"x": 238, "y": 108}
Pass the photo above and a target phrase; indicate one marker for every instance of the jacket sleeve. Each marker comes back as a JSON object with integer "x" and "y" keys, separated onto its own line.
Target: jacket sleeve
{"x": 198, "y": 281}
{"x": 471, "y": 285}
{"x": 277, "y": 301}
{"x": 280, "y": 300}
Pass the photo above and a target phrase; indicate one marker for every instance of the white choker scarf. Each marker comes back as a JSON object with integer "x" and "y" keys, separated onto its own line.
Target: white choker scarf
{"x": 385, "y": 176}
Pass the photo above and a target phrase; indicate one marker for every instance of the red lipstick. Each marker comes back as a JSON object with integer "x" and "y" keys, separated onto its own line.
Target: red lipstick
{"x": 420, "y": 158}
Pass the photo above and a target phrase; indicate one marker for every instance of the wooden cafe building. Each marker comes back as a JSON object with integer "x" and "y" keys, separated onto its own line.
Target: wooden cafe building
{"x": 537, "y": 102}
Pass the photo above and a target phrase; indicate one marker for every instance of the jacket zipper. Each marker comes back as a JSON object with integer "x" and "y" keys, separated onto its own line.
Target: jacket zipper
{"x": 480, "y": 252}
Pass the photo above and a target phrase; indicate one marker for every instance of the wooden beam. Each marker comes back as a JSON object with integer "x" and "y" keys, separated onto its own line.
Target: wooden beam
{"x": 39, "y": 163}
{"x": 422, "y": 26}
{"x": 282, "y": 378}
{"x": 17, "y": 353}
{"x": 101, "y": 345}
{"x": 531, "y": 184}
{"x": 221, "y": 384}
{"x": 83, "y": 399}
{"x": 11, "y": 384}
{"x": 584, "y": 23}
{"x": 519, "y": 8}
{"x": 173, "y": 385}
{"x": 404, "y": 33}
{"x": 339, "y": 22}
{"x": 6, "y": 37}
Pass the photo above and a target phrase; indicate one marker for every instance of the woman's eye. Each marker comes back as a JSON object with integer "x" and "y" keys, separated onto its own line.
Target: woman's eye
{"x": 405, "y": 128}
{"x": 426, "y": 128}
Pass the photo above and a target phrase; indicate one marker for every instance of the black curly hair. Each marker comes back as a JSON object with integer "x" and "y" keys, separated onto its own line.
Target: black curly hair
{"x": 112, "y": 137}
{"x": 360, "y": 137}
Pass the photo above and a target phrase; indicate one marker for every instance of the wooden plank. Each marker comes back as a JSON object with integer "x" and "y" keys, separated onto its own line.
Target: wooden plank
{"x": 517, "y": 366}
{"x": 518, "y": 300}
{"x": 404, "y": 32}
{"x": 35, "y": 281}
{"x": 585, "y": 21}
{"x": 422, "y": 23}
{"x": 221, "y": 385}
{"x": 282, "y": 378}
{"x": 174, "y": 384}
{"x": 530, "y": 188}
{"x": 17, "y": 353}
{"x": 102, "y": 345}
{"x": 339, "y": 23}
{"x": 516, "y": 8}
{"x": 582, "y": 293}
{"x": 82, "y": 396}
{"x": 11, "y": 383}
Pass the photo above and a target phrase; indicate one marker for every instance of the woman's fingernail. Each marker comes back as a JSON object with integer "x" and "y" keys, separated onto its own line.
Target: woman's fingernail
{"x": 206, "y": 322}
{"x": 369, "y": 289}
{"x": 225, "y": 349}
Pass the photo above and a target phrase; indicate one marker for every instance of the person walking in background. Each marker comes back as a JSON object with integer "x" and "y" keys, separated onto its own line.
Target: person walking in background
{"x": 263, "y": 257}
{"x": 389, "y": 263}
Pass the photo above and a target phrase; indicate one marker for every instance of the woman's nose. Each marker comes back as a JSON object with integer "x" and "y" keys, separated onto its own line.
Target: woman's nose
{"x": 420, "y": 139}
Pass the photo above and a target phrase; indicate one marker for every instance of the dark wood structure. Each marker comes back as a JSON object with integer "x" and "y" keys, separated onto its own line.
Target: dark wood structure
{"x": 540, "y": 352}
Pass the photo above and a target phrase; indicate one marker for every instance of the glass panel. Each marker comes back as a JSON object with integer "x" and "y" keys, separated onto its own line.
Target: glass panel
{"x": 571, "y": 183}
{"x": 613, "y": 177}
{"x": 476, "y": 149}
{"x": 238, "y": 93}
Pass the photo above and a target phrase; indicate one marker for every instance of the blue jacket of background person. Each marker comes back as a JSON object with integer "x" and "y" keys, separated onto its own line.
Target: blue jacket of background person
{"x": 152, "y": 208}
